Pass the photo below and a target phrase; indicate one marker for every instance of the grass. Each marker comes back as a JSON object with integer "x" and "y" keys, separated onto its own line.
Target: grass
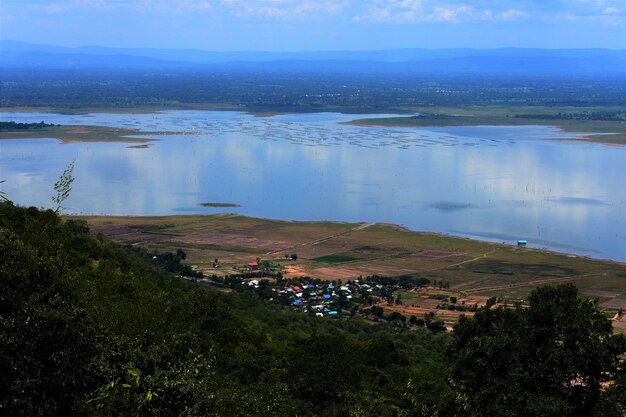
{"x": 333, "y": 259}
{"x": 335, "y": 250}
{"x": 78, "y": 133}
{"x": 69, "y": 134}
{"x": 620, "y": 330}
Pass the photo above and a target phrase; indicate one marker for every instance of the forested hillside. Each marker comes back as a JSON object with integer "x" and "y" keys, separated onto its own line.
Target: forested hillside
{"x": 89, "y": 328}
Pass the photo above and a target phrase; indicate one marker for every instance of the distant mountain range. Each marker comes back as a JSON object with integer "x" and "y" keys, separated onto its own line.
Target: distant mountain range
{"x": 14, "y": 54}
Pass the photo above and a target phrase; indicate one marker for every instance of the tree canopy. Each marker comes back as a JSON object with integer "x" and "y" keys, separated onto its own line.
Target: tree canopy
{"x": 557, "y": 357}
{"x": 88, "y": 327}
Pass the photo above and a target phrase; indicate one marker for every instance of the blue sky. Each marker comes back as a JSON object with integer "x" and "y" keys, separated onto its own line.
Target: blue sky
{"x": 298, "y": 25}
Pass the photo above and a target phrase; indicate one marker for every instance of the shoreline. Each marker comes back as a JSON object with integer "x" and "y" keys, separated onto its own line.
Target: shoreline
{"x": 590, "y": 135}
{"x": 394, "y": 226}
{"x": 344, "y": 251}
{"x": 587, "y": 137}
{"x": 90, "y": 133}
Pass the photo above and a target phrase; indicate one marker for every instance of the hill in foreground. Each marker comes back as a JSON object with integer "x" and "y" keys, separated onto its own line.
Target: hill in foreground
{"x": 87, "y": 328}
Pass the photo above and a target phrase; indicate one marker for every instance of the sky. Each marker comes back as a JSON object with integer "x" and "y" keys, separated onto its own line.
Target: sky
{"x": 307, "y": 25}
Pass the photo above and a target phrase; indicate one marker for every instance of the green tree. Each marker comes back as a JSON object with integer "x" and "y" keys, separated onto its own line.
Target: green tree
{"x": 399, "y": 299}
{"x": 550, "y": 359}
{"x": 3, "y": 195}
{"x": 63, "y": 186}
{"x": 48, "y": 346}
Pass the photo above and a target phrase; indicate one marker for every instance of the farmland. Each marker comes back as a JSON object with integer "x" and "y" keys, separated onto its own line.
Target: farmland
{"x": 469, "y": 270}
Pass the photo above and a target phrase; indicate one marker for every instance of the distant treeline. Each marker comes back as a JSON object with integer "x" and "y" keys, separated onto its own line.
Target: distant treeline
{"x": 265, "y": 90}
{"x": 23, "y": 126}
{"x": 609, "y": 116}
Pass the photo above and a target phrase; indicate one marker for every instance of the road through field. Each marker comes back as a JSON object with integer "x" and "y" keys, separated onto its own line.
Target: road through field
{"x": 321, "y": 240}
{"x": 532, "y": 283}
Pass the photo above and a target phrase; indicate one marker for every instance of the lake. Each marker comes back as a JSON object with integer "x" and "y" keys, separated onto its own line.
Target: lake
{"x": 492, "y": 183}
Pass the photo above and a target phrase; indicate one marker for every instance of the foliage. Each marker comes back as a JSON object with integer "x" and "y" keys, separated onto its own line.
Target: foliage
{"x": 3, "y": 195}
{"x": 10, "y": 125}
{"x": 171, "y": 262}
{"x": 63, "y": 186}
{"x": 550, "y": 359}
{"x": 89, "y": 328}
{"x": 612, "y": 116}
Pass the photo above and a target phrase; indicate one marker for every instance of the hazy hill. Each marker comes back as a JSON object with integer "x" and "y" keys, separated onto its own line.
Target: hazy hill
{"x": 14, "y": 54}
{"x": 48, "y": 60}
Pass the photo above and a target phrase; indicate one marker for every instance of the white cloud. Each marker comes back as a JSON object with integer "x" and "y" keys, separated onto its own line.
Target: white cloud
{"x": 444, "y": 14}
{"x": 241, "y": 8}
{"x": 67, "y": 6}
{"x": 512, "y": 14}
{"x": 609, "y": 20}
{"x": 599, "y": 19}
{"x": 390, "y": 11}
{"x": 199, "y": 5}
{"x": 611, "y": 10}
{"x": 407, "y": 11}
{"x": 283, "y": 8}
{"x": 177, "y": 7}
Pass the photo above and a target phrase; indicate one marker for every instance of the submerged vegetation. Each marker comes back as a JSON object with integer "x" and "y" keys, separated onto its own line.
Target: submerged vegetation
{"x": 219, "y": 205}
{"x": 69, "y": 133}
{"x": 11, "y": 126}
{"x": 88, "y": 327}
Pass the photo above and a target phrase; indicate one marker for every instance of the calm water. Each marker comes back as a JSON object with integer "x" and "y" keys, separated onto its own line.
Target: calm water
{"x": 492, "y": 183}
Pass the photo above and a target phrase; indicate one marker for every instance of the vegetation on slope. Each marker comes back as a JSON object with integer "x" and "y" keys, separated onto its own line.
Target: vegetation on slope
{"x": 88, "y": 328}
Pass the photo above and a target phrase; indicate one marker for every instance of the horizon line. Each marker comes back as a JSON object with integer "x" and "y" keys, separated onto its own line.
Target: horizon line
{"x": 310, "y": 50}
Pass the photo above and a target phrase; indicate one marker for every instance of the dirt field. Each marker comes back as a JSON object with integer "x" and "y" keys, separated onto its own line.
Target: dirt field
{"x": 474, "y": 269}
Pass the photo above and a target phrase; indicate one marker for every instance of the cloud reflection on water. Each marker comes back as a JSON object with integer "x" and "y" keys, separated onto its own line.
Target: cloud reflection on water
{"x": 553, "y": 193}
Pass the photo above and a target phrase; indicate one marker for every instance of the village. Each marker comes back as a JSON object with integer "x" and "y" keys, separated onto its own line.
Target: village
{"x": 407, "y": 300}
{"x": 429, "y": 277}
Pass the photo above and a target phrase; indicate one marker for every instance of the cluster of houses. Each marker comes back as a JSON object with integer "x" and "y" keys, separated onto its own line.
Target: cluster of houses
{"x": 318, "y": 297}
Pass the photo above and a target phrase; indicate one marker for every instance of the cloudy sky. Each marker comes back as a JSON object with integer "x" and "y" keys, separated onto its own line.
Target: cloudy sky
{"x": 298, "y": 25}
